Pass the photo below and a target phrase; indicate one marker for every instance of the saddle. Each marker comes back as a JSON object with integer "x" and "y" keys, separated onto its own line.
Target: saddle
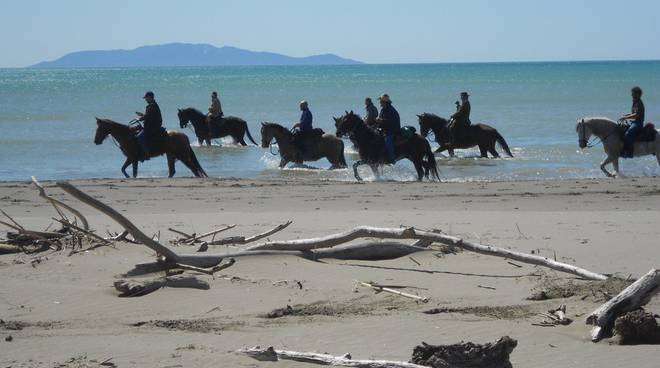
{"x": 647, "y": 134}
{"x": 307, "y": 140}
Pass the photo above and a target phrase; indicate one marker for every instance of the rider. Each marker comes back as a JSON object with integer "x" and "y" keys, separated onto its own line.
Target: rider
{"x": 372, "y": 112}
{"x": 390, "y": 122}
{"x": 215, "y": 110}
{"x": 304, "y": 126}
{"x": 461, "y": 119}
{"x": 153, "y": 121}
{"x": 636, "y": 118}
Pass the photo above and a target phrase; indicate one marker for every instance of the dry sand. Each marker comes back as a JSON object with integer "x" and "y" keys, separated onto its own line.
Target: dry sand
{"x": 72, "y": 315}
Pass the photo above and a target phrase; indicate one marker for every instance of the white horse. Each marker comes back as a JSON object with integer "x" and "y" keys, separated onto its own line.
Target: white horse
{"x": 609, "y": 134}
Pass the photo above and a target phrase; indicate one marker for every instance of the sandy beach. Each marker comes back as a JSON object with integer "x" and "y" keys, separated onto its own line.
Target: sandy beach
{"x": 71, "y": 315}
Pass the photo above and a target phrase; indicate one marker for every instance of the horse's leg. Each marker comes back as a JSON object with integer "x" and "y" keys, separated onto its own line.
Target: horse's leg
{"x": 606, "y": 161}
{"x": 123, "y": 168}
{"x": 376, "y": 171}
{"x": 615, "y": 164}
{"x": 208, "y": 142}
{"x": 135, "y": 168}
{"x": 283, "y": 162}
{"x": 355, "y": 170}
{"x": 420, "y": 169}
{"x": 170, "y": 164}
{"x": 200, "y": 140}
{"x": 492, "y": 151}
{"x": 451, "y": 151}
{"x": 484, "y": 151}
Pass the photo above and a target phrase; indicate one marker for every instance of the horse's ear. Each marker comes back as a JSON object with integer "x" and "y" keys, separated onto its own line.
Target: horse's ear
{"x": 263, "y": 124}
{"x": 419, "y": 116}
{"x": 179, "y": 110}
{"x": 346, "y": 112}
{"x": 352, "y": 112}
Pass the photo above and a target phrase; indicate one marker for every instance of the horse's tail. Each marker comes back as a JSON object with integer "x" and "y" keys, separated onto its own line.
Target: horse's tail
{"x": 247, "y": 132}
{"x": 430, "y": 163}
{"x": 503, "y": 143}
{"x": 199, "y": 171}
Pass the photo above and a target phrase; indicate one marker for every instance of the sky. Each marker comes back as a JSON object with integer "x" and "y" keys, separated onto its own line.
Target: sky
{"x": 383, "y": 31}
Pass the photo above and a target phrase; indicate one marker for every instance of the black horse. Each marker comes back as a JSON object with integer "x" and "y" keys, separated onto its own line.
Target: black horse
{"x": 235, "y": 127}
{"x": 482, "y": 135}
{"x": 371, "y": 147}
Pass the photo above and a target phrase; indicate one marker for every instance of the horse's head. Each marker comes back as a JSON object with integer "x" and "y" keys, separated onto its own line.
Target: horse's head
{"x": 183, "y": 118}
{"x": 102, "y": 131}
{"x": 267, "y": 134}
{"x": 584, "y": 133}
{"x": 430, "y": 122}
{"x": 347, "y": 123}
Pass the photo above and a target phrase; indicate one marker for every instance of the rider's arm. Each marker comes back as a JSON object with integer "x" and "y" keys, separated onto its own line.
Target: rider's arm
{"x": 632, "y": 116}
{"x": 296, "y": 125}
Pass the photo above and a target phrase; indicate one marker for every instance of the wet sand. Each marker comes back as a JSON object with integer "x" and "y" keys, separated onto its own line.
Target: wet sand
{"x": 71, "y": 311}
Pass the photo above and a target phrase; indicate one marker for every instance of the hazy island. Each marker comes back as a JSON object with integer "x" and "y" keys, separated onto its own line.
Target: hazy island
{"x": 184, "y": 54}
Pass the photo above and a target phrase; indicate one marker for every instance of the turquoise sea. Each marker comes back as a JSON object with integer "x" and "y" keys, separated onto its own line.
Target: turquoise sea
{"x": 47, "y": 116}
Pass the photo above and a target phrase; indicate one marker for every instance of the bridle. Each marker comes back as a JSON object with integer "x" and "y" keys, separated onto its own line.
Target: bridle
{"x": 595, "y": 141}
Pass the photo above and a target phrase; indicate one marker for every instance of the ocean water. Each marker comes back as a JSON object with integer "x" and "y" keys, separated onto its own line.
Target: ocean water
{"x": 47, "y": 116}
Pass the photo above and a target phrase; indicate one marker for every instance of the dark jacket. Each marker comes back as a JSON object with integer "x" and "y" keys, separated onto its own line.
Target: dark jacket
{"x": 152, "y": 119}
{"x": 390, "y": 120}
{"x": 638, "y": 108}
{"x": 462, "y": 116}
{"x": 306, "y": 120}
{"x": 372, "y": 114}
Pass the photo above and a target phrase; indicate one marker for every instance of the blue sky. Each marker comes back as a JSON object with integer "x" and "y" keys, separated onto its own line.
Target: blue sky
{"x": 384, "y": 31}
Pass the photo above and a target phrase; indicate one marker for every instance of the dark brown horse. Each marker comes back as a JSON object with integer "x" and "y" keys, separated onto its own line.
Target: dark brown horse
{"x": 482, "y": 135}
{"x": 371, "y": 147}
{"x": 327, "y": 146}
{"x": 175, "y": 145}
{"x": 228, "y": 126}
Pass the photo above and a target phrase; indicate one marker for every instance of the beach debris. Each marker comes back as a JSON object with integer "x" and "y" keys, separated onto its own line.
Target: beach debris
{"x": 134, "y": 288}
{"x": 271, "y": 355}
{"x": 554, "y": 317}
{"x": 466, "y": 354}
{"x": 637, "y": 327}
{"x": 631, "y": 298}
{"x": 429, "y": 236}
{"x": 379, "y": 288}
{"x": 193, "y": 238}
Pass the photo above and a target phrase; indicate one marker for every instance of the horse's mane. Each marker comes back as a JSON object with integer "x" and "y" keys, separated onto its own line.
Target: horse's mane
{"x": 194, "y": 111}
{"x": 113, "y": 123}
{"x": 430, "y": 115}
{"x": 589, "y": 118}
{"x": 276, "y": 126}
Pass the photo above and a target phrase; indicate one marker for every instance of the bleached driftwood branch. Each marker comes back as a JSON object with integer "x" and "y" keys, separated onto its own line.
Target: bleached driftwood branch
{"x": 633, "y": 297}
{"x": 380, "y": 288}
{"x": 201, "y": 261}
{"x": 56, "y": 204}
{"x": 273, "y": 355}
{"x": 412, "y": 233}
{"x": 240, "y": 240}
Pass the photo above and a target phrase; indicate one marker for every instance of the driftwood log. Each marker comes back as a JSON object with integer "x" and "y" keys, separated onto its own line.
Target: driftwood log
{"x": 415, "y": 234}
{"x": 133, "y": 288}
{"x": 631, "y": 298}
{"x": 466, "y": 354}
{"x": 272, "y": 355}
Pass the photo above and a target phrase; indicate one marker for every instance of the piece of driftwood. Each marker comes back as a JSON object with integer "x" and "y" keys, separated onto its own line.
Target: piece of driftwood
{"x": 193, "y": 238}
{"x": 241, "y": 240}
{"x": 379, "y": 288}
{"x": 272, "y": 355}
{"x": 201, "y": 261}
{"x": 412, "y": 233}
{"x": 369, "y": 251}
{"x": 633, "y": 297}
{"x": 637, "y": 327}
{"x": 466, "y": 354}
{"x": 57, "y": 204}
{"x": 133, "y": 288}
{"x": 554, "y": 317}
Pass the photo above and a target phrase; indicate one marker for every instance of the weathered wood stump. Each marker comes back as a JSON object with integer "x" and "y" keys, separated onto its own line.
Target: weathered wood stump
{"x": 466, "y": 354}
{"x": 637, "y": 327}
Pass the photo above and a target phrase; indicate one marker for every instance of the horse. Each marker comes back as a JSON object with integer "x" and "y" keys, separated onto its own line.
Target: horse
{"x": 235, "y": 127}
{"x": 175, "y": 145}
{"x": 610, "y": 134}
{"x": 372, "y": 151}
{"x": 482, "y": 135}
{"x": 328, "y": 146}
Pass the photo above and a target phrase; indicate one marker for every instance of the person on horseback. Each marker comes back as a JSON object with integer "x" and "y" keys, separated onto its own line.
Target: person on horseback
{"x": 215, "y": 111}
{"x": 152, "y": 121}
{"x": 390, "y": 122}
{"x": 636, "y": 118}
{"x": 304, "y": 127}
{"x": 372, "y": 112}
{"x": 460, "y": 119}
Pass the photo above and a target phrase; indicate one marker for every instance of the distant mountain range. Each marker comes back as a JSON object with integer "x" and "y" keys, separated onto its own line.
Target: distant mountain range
{"x": 185, "y": 54}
